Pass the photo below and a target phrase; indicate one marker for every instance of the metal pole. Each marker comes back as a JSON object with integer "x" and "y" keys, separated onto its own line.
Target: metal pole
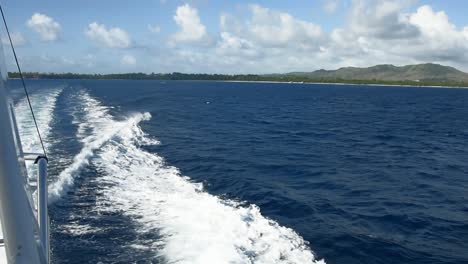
{"x": 42, "y": 211}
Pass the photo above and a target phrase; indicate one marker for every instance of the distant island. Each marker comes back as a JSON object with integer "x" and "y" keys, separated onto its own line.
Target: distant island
{"x": 412, "y": 75}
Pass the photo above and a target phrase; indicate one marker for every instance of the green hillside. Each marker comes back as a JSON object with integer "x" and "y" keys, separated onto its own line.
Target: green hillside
{"x": 420, "y": 73}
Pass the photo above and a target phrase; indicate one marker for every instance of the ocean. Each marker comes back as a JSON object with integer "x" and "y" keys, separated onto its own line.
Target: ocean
{"x": 223, "y": 172}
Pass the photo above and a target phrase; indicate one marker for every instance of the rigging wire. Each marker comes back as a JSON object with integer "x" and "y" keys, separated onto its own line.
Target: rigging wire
{"x": 24, "y": 84}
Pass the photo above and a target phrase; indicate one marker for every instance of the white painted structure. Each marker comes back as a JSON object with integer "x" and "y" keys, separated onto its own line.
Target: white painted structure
{"x": 24, "y": 232}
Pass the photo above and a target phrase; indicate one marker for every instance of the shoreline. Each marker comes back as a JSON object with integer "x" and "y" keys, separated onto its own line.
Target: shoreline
{"x": 274, "y": 82}
{"x": 355, "y": 84}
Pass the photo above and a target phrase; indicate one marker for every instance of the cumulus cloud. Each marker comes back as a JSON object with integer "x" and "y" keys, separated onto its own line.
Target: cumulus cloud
{"x": 378, "y": 31}
{"x": 436, "y": 26}
{"x": 265, "y": 40}
{"x": 191, "y": 28}
{"x": 382, "y": 32}
{"x": 17, "y": 39}
{"x": 382, "y": 19}
{"x": 237, "y": 46}
{"x": 258, "y": 39}
{"x": 273, "y": 28}
{"x": 266, "y": 35}
{"x": 439, "y": 37}
{"x": 45, "y": 26}
{"x": 128, "y": 60}
{"x": 110, "y": 38}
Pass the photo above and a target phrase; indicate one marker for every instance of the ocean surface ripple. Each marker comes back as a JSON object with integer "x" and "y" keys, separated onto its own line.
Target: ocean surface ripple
{"x": 213, "y": 172}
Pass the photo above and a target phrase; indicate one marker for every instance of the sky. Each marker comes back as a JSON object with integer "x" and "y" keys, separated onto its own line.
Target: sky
{"x": 208, "y": 36}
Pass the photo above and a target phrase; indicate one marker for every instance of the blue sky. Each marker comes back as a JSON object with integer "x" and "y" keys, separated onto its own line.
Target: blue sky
{"x": 234, "y": 36}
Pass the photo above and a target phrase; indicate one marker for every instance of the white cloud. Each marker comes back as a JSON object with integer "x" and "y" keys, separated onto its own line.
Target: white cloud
{"x": 435, "y": 25}
{"x": 258, "y": 39}
{"x": 191, "y": 28}
{"x": 110, "y": 38}
{"x": 272, "y": 28}
{"x": 385, "y": 33}
{"x": 47, "y": 27}
{"x": 330, "y": 6}
{"x": 267, "y": 40}
{"x": 154, "y": 29}
{"x": 379, "y": 31}
{"x": 237, "y": 46}
{"x": 128, "y": 60}
{"x": 17, "y": 39}
{"x": 440, "y": 39}
{"x": 381, "y": 19}
{"x": 229, "y": 23}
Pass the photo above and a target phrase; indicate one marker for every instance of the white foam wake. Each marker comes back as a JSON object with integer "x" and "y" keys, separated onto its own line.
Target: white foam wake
{"x": 43, "y": 103}
{"x": 101, "y": 127}
{"x": 196, "y": 227}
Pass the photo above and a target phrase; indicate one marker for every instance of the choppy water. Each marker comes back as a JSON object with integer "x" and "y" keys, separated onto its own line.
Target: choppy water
{"x": 206, "y": 172}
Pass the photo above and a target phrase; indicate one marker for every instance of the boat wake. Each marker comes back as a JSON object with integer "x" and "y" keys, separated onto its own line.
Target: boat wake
{"x": 193, "y": 226}
{"x": 101, "y": 128}
{"x": 43, "y": 104}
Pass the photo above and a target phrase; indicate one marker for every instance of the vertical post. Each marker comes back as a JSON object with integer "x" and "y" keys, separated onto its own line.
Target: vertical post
{"x": 42, "y": 211}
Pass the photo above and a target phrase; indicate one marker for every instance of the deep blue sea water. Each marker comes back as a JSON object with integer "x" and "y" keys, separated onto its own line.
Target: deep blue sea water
{"x": 354, "y": 174}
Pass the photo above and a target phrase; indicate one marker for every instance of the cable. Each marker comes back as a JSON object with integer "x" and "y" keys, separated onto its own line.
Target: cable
{"x": 22, "y": 80}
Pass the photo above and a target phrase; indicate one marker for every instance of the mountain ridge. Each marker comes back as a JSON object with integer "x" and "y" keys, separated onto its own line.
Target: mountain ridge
{"x": 427, "y": 72}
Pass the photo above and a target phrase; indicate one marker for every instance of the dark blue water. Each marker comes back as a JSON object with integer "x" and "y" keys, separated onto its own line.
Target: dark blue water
{"x": 364, "y": 174}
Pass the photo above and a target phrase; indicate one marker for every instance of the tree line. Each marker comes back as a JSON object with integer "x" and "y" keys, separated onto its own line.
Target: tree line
{"x": 139, "y": 76}
{"x": 177, "y": 76}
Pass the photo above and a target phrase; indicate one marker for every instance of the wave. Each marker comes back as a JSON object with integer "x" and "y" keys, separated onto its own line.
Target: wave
{"x": 101, "y": 126}
{"x": 43, "y": 103}
{"x": 195, "y": 226}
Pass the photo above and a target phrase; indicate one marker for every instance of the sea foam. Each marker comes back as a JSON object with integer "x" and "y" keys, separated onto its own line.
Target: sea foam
{"x": 43, "y": 104}
{"x": 103, "y": 128}
{"x": 193, "y": 226}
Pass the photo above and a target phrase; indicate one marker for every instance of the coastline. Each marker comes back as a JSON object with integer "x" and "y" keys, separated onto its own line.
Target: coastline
{"x": 272, "y": 82}
{"x": 355, "y": 84}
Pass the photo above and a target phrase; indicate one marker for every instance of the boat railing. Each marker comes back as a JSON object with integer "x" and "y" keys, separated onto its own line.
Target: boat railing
{"x": 24, "y": 223}
{"x": 24, "y": 236}
{"x": 42, "y": 198}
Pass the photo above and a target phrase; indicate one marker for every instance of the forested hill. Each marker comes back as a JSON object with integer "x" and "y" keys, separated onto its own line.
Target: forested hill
{"x": 421, "y": 72}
